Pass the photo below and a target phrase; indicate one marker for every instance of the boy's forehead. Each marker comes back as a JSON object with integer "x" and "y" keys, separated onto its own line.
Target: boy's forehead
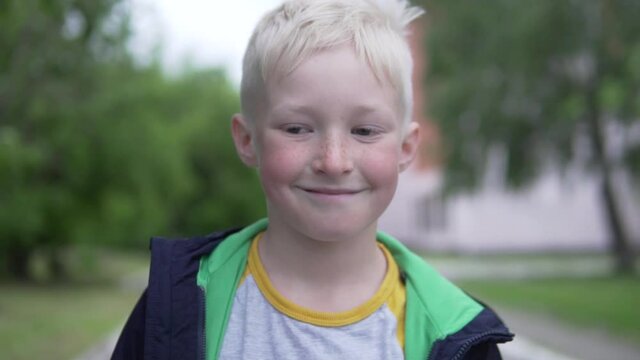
{"x": 322, "y": 74}
{"x": 287, "y": 64}
{"x": 329, "y": 60}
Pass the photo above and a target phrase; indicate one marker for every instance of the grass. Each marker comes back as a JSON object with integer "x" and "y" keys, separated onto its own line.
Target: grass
{"x": 612, "y": 303}
{"x": 508, "y": 256}
{"x": 62, "y": 320}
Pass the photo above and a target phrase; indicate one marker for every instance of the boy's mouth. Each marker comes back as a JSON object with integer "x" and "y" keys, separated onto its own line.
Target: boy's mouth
{"x": 330, "y": 191}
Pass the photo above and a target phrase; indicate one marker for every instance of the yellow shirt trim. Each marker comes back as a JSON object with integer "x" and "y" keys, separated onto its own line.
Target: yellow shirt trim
{"x": 391, "y": 291}
{"x": 397, "y": 303}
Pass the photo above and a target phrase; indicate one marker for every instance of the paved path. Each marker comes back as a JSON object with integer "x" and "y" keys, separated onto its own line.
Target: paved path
{"x": 571, "y": 341}
{"x": 135, "y": 282}
{"x": 102, "y": 350}
{"x": 522, "y": 348}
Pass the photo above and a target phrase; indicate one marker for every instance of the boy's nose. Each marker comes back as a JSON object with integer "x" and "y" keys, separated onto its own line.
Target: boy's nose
{"x": 333, "y": 159}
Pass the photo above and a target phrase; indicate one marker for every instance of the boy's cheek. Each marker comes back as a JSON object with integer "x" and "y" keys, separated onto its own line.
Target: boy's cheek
{"x": 279, "y": 166}
{"x": 383, "y": 172}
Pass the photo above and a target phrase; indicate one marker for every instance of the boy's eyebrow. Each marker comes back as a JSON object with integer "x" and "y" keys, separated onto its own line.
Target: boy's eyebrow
{"x": 294, "y": 108}
{"x": 368, "y": 109}
{"x": 284, "y": 110}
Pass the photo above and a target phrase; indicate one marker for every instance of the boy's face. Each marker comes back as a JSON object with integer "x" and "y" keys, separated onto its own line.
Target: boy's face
{"x": 329, "y": 146}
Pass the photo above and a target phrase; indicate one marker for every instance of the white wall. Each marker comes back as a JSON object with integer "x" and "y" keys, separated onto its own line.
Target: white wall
{"x": 552, "y": 215}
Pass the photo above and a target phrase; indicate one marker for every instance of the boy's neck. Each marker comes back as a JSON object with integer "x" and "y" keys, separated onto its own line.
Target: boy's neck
{"x": 329, "y": 276}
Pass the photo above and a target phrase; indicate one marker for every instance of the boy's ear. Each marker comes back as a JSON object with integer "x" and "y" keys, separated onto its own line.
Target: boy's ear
{"x": 244, "y": 140}
{"x": 409, "y": 147}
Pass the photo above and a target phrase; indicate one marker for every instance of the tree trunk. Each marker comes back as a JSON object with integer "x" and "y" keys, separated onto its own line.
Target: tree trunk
{"x": 18, "y": 262}
{"x": 57, "y": 269}
{"x": 619, "y": 240}
{"x": 620, "y": 247}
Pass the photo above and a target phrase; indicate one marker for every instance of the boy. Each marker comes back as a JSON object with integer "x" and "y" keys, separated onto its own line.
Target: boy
{"x": 326, "y": 108}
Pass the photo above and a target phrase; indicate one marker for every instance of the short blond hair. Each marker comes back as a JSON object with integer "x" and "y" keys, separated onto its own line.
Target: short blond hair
{"x": 289, "y": 34}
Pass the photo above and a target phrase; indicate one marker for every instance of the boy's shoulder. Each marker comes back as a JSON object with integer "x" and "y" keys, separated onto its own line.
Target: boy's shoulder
{"x": 167, "y": 304}
{"x": 444, "y": 305}
{"x": 441, "y": 318}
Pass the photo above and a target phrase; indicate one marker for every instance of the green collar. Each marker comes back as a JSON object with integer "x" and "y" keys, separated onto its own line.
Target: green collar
{"x": 218, "y": 276}
{"x": 435, "y": 307}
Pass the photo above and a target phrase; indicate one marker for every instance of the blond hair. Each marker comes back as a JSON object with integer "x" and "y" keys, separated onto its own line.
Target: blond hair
{"x": 289, "y": 34}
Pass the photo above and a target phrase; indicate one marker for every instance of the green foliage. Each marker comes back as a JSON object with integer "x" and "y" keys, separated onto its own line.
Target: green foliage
{"x": 95, "y": 149}
{"x": 516, "y": 76}
{"x": 540, "y": 85}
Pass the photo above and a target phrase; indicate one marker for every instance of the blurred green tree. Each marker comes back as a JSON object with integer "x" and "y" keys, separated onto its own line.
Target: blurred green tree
{"x": 224, "y": 191}
{"x": 97, "y": 149}
{"x": 50, "y": 50}
{"x": 545, "y": 83}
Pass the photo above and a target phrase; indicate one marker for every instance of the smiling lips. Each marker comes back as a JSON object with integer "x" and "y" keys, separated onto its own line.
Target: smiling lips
{"x": 330, "y": 192}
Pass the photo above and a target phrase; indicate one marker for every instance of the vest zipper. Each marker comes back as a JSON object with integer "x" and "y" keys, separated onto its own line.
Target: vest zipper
{"x": 201, "y": 325}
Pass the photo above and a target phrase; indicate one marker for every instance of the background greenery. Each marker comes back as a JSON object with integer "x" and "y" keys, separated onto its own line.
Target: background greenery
{"x": 99, "y": 149}
{"x": 538, "y": 86}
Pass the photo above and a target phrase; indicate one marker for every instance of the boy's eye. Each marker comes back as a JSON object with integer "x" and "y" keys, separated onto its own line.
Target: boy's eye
{"x": 364, "y": 131}
{"x": 296, "y": 129}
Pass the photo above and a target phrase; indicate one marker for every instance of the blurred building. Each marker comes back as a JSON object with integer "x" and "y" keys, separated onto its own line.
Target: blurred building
{"x": 554, "y": 214}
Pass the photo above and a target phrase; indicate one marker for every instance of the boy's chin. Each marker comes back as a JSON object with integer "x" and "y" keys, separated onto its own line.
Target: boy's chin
{"x": 335, "y": 232}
